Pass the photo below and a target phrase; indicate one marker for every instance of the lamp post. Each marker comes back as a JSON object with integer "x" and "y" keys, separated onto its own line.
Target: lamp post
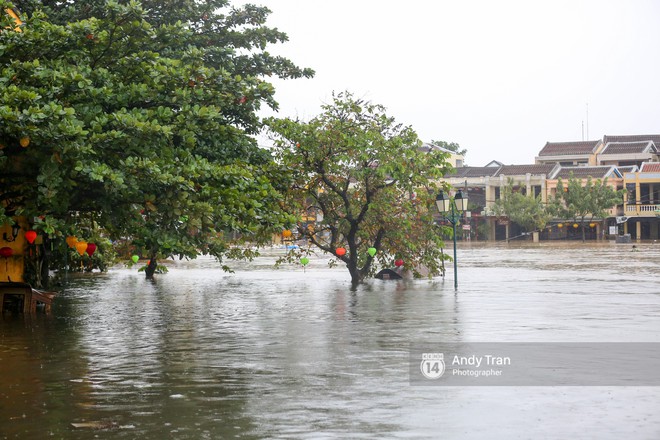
{"x": 451, "y": 210}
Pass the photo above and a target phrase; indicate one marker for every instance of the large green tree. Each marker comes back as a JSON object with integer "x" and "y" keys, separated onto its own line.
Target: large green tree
{"x": 368, "y": 183}
{"x": 583, "y": 200}
{"x": 139, "y": 116}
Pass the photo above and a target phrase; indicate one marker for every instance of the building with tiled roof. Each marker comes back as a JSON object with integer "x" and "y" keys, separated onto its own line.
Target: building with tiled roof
{"x": 655, "y": 138}
{"x": 521, "y": 170}
{"x": 595, "y": 172}
{"x": 569, "y": 153}
{"x": 628, "y": 153}
{"x": 650, "y": 167}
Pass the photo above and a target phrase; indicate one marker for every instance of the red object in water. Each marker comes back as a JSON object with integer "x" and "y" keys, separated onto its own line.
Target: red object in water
{"x": 30, "y": 236}
{"x": 398, "y": 263}
{"x": 340, "y": 251}
{"x": 91, "y": 248}
{"x": 6, "y": 252}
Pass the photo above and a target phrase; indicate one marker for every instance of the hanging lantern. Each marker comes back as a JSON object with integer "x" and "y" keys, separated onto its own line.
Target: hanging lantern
{"x": 135, "y": 258}
{"x": 398, "y": 263}
{"x": 560, "y": 225}
{"x": 575, "y": 225}
{"x": 91, "y": 248}
{"x": 372, "y": 251}
{"x": 24, "y": 141}
{"x": 71, "y": 241}
{"x": 6, "y": 252}
{"x": 286, "y": 233}
{"x": 30, "y": 236}
{"x": 592, "y": 225}
{"x": 81, "y": 247}
{"x": 340, "y": 251}
{"x": 304, "y": 261}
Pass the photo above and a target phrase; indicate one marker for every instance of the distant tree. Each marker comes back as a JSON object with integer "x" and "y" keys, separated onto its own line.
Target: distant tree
{"x": 527, "y": 211}
{"x": 451, "y": 146}
{"x": 582, "y": 201}
{"x": 366, "y": 178}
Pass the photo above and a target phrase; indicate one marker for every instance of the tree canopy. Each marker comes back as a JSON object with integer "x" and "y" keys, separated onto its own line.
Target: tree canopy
{"x": 527, "y": 211}
{"x": 583, "y": 200}
{"x": 137, "y": 116}
{"x": 364, "y": 177}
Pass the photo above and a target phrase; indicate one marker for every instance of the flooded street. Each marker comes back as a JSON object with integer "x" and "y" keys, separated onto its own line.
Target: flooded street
{"x": 264, "y": 353}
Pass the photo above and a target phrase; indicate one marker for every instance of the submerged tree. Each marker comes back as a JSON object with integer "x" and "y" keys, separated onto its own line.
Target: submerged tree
{"x": 364, "y": 177}
{"x": 584, "y": 200}
{"x": 141, "y": 116}
{"x": 527, "y": 211}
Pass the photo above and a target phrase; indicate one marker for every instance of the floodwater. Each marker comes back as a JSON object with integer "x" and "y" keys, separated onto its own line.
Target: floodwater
{"x": 263, "y": 353}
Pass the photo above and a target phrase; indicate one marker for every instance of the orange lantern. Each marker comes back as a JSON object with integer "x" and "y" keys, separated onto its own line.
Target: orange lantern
{"x": 81, "y": 247}
{"x": 24, "y": 141}
{"x": 340, "y": 251}
{"x": 30, "y": 236}
{"x": 71, "y": 241}
{"x": 286, "y": 233}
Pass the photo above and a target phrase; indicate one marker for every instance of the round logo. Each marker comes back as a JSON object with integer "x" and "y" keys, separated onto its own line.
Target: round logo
{"x": 433, "y": 365}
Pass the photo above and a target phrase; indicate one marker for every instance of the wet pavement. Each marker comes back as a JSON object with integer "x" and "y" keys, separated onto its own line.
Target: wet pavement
{"x": 287, "y": 353}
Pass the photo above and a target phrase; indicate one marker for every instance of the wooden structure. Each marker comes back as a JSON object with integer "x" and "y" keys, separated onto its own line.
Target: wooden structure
{"x": 22, "y": 298}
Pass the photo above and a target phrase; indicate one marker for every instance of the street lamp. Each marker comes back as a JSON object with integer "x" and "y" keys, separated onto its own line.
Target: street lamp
{"x": 451, "y": 210}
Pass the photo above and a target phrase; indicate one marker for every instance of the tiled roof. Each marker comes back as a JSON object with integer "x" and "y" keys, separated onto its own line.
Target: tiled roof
{"x": 627, "y": 169}
{"x": 628, "y": 147}
{"x": 650, "y": 167}
{"x": 568, "y": 148}
{"x": 473, "y": 172}
{"x": 518, "y": 170}
{"x": 598, "y": 172}
{"x": 633, "y": 138}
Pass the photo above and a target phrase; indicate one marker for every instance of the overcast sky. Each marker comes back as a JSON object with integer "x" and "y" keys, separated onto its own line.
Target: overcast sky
{"x": 499, "y": 77}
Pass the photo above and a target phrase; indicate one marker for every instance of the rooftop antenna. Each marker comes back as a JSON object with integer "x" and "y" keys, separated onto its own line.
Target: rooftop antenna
{"x": 587, "y": 120}
{"x": 582, "y": 130}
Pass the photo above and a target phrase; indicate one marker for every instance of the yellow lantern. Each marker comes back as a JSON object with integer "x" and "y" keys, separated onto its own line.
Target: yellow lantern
{"x": 286, "y": 233}
{"x": 81, "y": 247}
{"x": 71, "y": 241}
{"x": 24, "y": 141}
{"x": 592, "y": 225}
{"x": 575, "y": 225}
{"x": 560, "y": 225}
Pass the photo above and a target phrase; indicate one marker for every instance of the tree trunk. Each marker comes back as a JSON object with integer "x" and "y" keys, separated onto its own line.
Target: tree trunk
{"x": 151, "y": 267}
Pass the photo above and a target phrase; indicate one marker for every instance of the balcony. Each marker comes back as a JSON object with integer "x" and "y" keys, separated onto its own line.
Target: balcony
{"x": 642, "y": 210}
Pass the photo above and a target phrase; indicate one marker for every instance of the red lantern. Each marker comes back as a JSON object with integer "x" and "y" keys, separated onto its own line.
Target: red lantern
{"x": 6, "y": 252}
{"x": 91, "y": 248}
{"x": 398, "y": 263}
{"x": 30, "y": 236}
{"x": 340, "y": 251}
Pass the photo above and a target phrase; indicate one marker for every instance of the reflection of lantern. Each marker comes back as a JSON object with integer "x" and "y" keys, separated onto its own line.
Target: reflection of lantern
{"x": 592, "y": 225}
{"x": 71, "y": 241}
{"x": 6, "y": 252}
{"x": 91, "y": 248}
{"x": 340, "y": 251}
{"x": 81, "y": 247}
{"x": 398, "y": 263}
{"x": 286, "y": 233}
{"x": 560, "y": 225}
{"x": 30, "y": 236}
{"x": 575, "y": 225}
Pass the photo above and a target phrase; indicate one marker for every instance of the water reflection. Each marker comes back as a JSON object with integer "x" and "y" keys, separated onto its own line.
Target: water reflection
{"x": 284, "y": 353}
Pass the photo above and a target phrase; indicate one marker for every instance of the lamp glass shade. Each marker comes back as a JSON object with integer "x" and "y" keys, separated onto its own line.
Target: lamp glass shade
{"x": 442, "y": 202}
{"x": 461, "y": 201}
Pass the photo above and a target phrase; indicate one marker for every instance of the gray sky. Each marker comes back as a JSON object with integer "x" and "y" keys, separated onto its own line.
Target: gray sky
{"x": 499, "y": 77}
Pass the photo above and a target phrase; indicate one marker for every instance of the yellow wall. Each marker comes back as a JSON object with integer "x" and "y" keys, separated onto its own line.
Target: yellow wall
{"x": 11, "y": 269}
